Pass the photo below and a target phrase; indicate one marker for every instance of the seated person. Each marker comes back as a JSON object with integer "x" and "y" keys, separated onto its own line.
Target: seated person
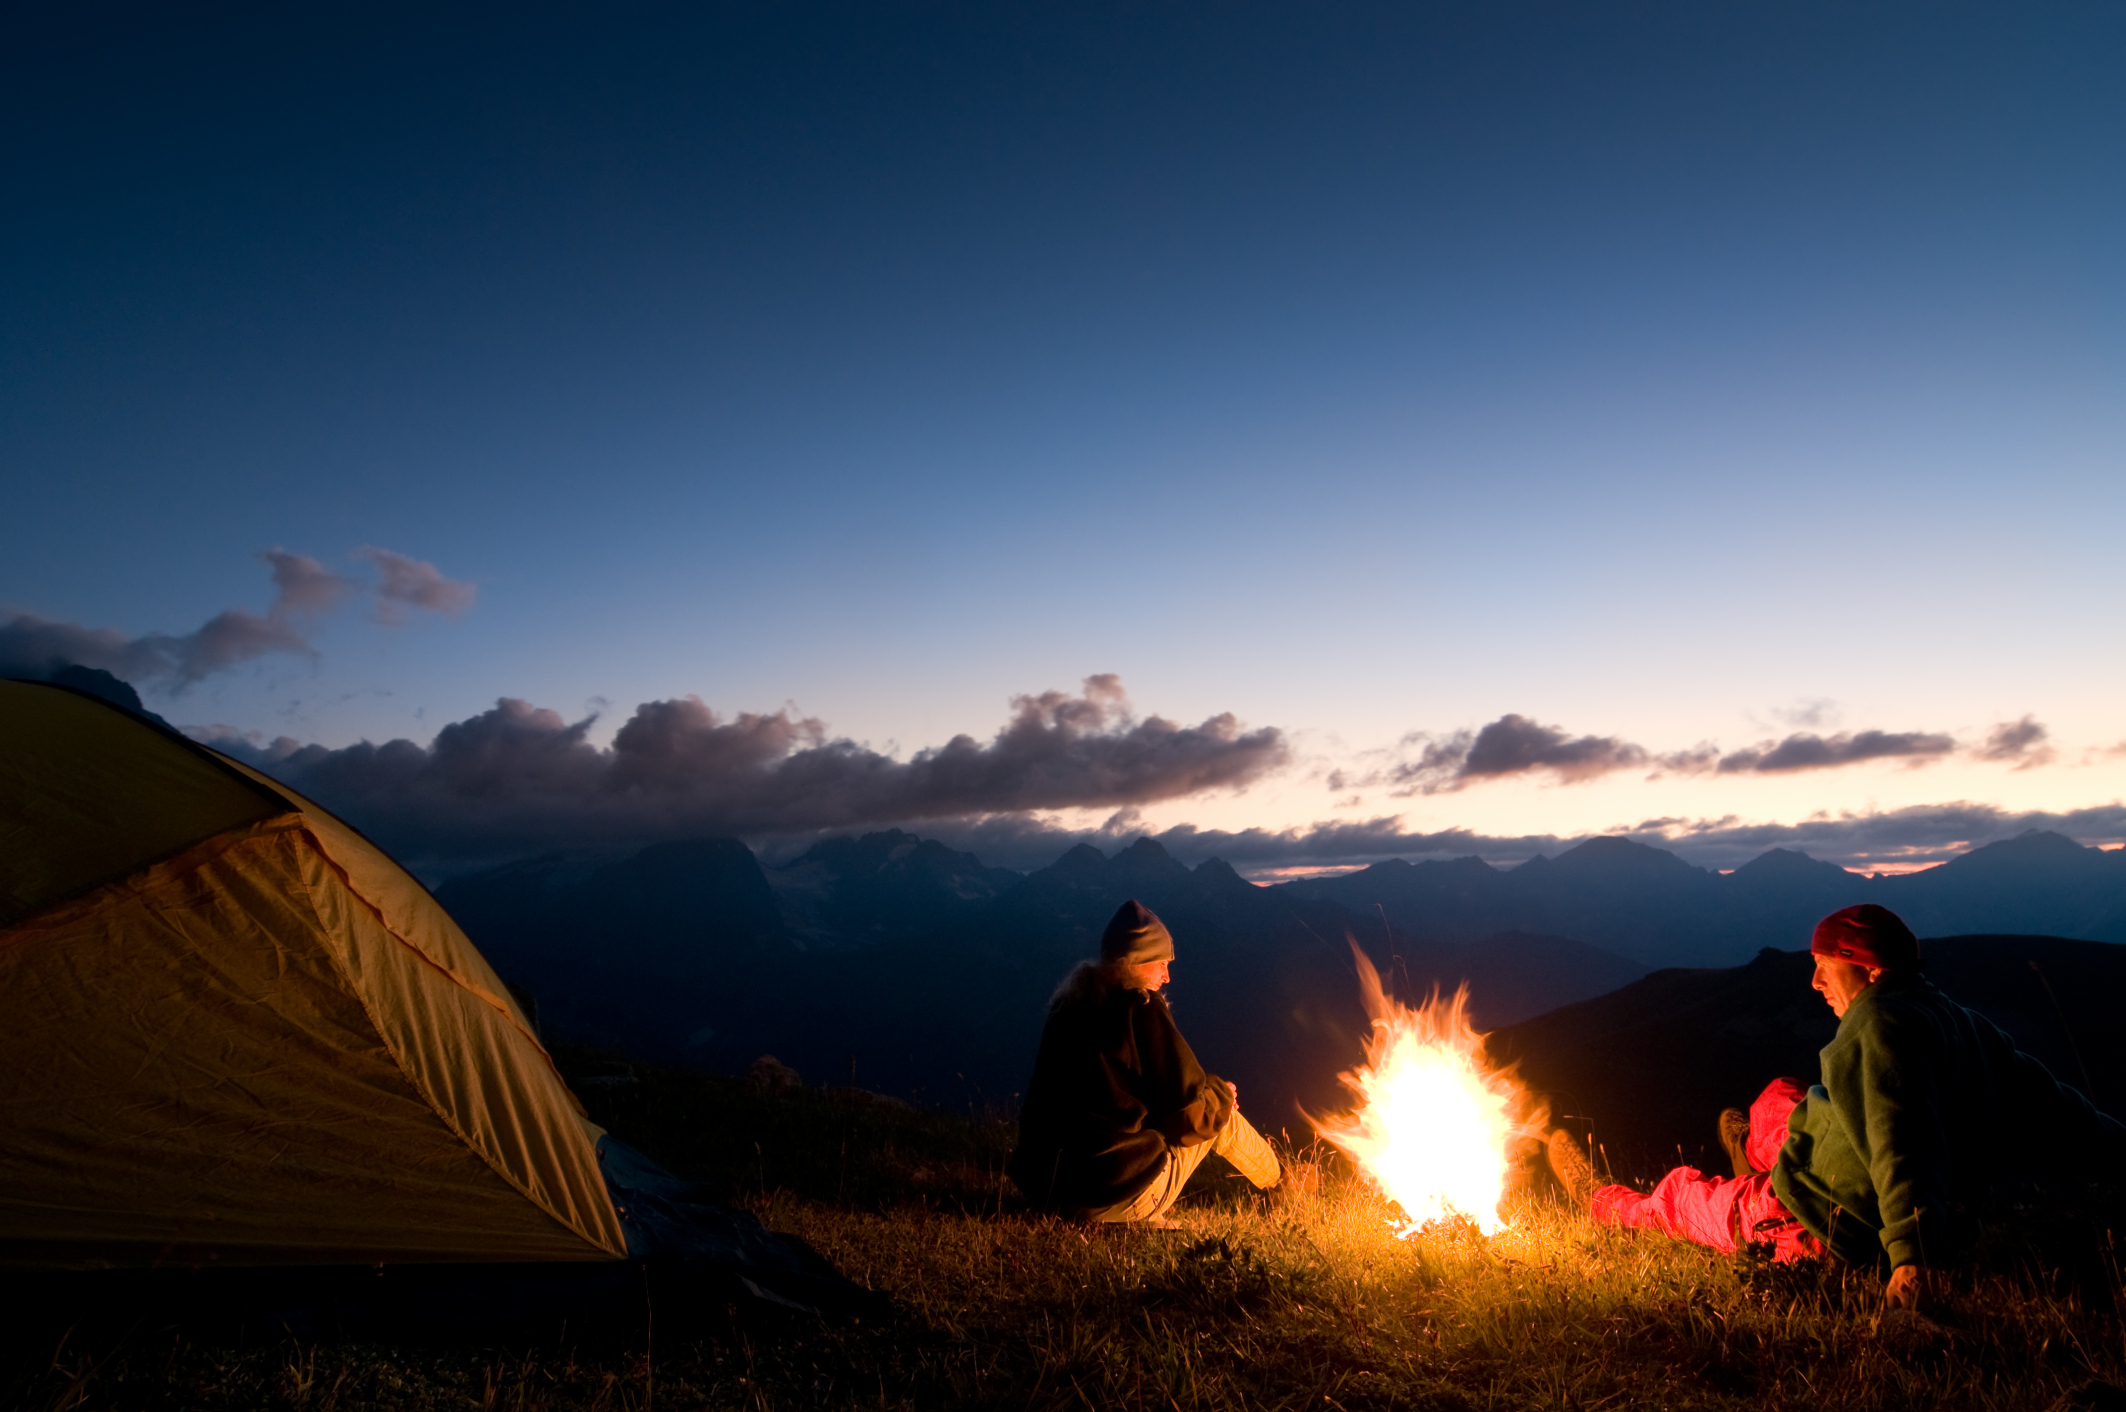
{"x": 1923, "y": 1105}
{"x": 1118, "y": 1113}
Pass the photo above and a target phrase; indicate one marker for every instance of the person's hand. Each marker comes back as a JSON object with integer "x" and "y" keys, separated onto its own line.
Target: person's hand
{"x": 1233, "y": 1089}
{"x": 1909, "y": 1287}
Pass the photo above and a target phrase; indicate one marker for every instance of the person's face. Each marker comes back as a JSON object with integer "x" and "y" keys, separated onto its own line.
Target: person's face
{"x": 1148, "y": 975}
{"x": 1841, "y": 981}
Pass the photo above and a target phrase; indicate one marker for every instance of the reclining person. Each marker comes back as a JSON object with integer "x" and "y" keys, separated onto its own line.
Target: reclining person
{"x": 1923, "y": 1105}
{"x": 1118, "y": 1113}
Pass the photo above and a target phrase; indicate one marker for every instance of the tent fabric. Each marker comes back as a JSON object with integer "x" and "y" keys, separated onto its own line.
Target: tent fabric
{"x": 405, "y": 907}
{"x": 62, "y": 763}
{"x": 270, "y": 1047}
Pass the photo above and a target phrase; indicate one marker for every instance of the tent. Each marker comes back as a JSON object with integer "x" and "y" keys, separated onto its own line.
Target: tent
{"x": 234, "y": 1033}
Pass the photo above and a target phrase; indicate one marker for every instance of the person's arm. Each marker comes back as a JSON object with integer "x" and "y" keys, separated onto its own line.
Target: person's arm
{"x": 1187, "y": 1105}
{"x": 1908, "y": 1140}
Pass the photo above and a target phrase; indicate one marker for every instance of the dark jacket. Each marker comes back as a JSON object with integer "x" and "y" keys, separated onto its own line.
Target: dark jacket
{"x": 1924, "y": 1105}
{"x": 1114, "y": 1086}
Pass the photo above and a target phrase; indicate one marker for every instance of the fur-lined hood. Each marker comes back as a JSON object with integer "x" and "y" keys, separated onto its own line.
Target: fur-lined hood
{"x": 1087, "y": 981}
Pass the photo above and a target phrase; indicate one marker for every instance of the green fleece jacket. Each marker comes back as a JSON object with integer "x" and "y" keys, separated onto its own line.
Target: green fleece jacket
{"x": 1114, "y": 1086}
{"x": 1923, "y": 1105}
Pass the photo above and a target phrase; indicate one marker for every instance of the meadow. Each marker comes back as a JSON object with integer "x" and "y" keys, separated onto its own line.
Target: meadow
{"x": 1308, "y": 1301}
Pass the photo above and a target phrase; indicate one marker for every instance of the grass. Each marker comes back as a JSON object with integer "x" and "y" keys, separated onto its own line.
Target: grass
{"x": 1314, "y": 1304}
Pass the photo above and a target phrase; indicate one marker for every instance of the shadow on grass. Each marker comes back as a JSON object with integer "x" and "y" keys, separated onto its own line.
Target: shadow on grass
{"x": 1308, "y": 1301}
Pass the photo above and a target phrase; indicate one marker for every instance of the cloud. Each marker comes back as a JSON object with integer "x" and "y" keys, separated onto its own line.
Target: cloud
{"x": 230, "y": 637}
{"x": 520, "y": 778}
{"x": 304, "y": 590}
{"x": 1805, "y": 750}
{"x": 405, "y": 582}
{"x": 1028, "y": 841}
{"x": 1918, "y": 835}
{"x": 2024, "y": 741}
{"x": 1813, "y": 714}
{"x": 1515, "y": 745}
{"x": 31, "y": 646}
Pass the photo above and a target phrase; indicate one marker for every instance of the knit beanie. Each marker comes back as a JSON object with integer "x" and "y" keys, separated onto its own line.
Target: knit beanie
{"x": 1866, "y": 935}
{"x": 1135, "y": 936}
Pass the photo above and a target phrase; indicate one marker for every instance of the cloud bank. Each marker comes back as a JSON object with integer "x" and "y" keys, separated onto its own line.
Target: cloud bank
{"x": 1865, "y": 841}
{"x": 520, "y": 779}
{"x": 304, "y": 590}
{"x": 1516, "y": 746}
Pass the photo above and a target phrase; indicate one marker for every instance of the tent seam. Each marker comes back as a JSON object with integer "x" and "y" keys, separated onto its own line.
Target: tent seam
{"x": 179, "y": 861}
{"x": 303, "y": 807}
{"x": 384, "y": 1034}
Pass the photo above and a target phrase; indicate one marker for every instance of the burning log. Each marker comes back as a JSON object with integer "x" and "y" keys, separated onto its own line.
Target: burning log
{"x": 1435, "y": 1125}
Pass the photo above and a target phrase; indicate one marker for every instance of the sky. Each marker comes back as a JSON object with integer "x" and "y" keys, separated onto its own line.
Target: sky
{"x": 1306, "y": 436}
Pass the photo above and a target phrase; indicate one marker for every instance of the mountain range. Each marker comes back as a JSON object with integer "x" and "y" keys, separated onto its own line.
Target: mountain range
{"x": 896, "y": 964}
{"x": 1650, "y": 905}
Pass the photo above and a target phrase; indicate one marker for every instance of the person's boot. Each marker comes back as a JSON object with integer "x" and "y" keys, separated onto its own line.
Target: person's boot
{"x": 1735, "y": 1137}
{"x": 1572, "y": 1169}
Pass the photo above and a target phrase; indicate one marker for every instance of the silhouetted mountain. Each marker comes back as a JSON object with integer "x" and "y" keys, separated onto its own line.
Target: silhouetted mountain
{"x": 1263, "y": 984}
{"x": 95, "y": 681}
{"x": 1650, "y": 905}
{"x": 1651, "y": 1065}
{"x": 659, "y": 952}
{"x": 2039, "y": 882}
{"x": 903, "y": 966}
{"x": 887, "y": 886}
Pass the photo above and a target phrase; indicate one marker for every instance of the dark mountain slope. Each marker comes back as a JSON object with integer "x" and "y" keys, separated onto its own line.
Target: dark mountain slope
{"x": 1648, "y": 904}
{"x": 1263, "y": 984}
{"x": 888, "y": 886}
{"x": 2038, "y": 883}
{"x": 690, "y": 952}
{"x": 658, "y": 953}
{"x": 1652, "y": 1064}
{"x": 1609, "y": 892}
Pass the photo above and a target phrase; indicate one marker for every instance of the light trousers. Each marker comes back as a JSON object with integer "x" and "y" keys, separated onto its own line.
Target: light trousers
{"x": 1237, "y": 1142}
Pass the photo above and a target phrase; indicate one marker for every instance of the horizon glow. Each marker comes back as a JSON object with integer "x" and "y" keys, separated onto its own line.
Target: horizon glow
{"x": 1673, "y": 377}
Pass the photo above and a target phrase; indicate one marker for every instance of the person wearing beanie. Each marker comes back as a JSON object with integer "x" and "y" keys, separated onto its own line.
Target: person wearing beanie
{"x": 1924, "y": 1105}
{"x": 1118, "y": 1113}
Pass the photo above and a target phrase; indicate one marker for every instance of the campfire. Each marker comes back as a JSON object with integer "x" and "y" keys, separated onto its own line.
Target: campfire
{"x": 1435, "y": 1125}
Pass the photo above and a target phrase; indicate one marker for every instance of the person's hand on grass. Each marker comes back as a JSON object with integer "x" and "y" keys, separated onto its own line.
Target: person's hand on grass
{"x": 1910, "y": 1287}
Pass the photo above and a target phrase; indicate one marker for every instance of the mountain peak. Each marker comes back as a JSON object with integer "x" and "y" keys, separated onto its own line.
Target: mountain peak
{"x": 1220, "y": 874}
{"x": 1145, "y": 863}
{"x": 1788, "y": 865}
{"x": 2037, "y": 848}
{"x": 1082, "y": 857}
{"x": 1614, "y": 856}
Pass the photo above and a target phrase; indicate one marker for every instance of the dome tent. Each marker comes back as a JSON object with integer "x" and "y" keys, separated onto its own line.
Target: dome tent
{"x": 234, "y": 1033}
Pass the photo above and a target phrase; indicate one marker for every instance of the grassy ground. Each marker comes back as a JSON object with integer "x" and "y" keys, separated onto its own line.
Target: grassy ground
{"x": 1313, "y": 1304}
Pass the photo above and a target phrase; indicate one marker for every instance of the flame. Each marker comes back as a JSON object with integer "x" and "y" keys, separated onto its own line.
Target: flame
{"x": 1435, "y": 1123}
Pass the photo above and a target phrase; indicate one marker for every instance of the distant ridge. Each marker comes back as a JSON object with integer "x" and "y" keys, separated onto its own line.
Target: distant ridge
{"x": 905, "y": 966}
{"x": 901, "y": 965}
{"x": 1651, "y": 1065}
{"x": 1648, "y": 904}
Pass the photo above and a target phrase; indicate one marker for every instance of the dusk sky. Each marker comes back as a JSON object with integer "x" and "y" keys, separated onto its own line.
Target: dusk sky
{"x": 1471, "y": 427}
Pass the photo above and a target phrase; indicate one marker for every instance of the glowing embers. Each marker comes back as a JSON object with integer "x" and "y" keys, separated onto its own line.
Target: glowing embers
{"x": 1435, "y": 1126}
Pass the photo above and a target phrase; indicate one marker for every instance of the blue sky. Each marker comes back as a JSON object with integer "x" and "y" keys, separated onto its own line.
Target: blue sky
{"x": 1664, "y": 374}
